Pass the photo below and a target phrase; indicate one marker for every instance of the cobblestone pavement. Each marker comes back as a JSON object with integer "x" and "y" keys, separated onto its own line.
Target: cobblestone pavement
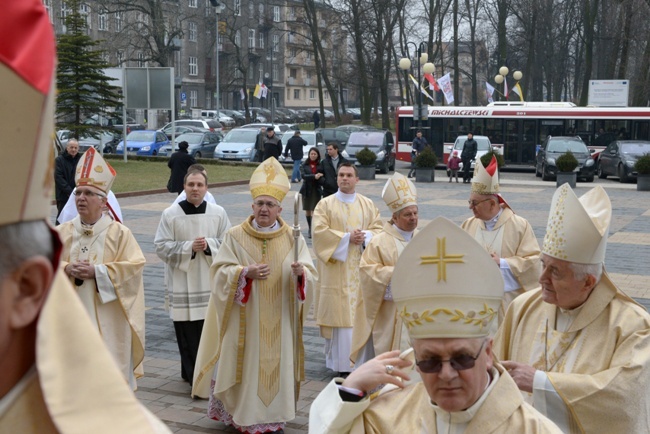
{"x": 166, "y": 394}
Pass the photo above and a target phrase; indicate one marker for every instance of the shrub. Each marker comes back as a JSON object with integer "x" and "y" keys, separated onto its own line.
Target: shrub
{"x": 426, "y": 159}
{"x": 485, "y": 159}
{"x": 366, "y": 157}
{"x": 642, "y": 165}
{"x": 566, "y": 162}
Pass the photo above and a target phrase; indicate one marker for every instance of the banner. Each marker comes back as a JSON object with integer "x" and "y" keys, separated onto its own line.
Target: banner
{"x": 445, "y": 85}
{"x": 265, "y": 91}
{"x": 489, "y": 91}
{"x": 257, "y": 92}
{"x": 517, "y": 89}
{"x": 433, "y": 85}
{"x": 243, "y": 94}
{"x": 505, "y": 88}
{"x": 423, "y": 90}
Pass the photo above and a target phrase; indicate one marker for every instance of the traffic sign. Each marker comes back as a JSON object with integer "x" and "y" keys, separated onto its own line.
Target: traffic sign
{"x": 183, "y": 97}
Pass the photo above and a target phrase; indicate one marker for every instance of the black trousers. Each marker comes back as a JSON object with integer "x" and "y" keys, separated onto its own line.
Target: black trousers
{"x": 467, "y": 169}
{"x": 188, "y": 336}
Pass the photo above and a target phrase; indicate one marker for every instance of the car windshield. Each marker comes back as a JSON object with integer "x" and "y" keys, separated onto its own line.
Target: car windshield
{"x": 241, "y": 136}
{"x": 191, "y": 139}
{"x": 482, "y": 143}
{"x": 309, "y": 138}
{"x": 371, "y": 140}
{"x": 635, "y": 148}
{"x": 567, "y": 145}
{"x": 140, "y": 136}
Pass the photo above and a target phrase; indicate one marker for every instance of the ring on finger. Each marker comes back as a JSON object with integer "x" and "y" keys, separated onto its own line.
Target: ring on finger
{"x": 390, "y": 369}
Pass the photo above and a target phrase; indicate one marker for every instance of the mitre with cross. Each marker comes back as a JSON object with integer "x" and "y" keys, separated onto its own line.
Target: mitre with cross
{"x": 445, "y": 285}
{"x": 399, "y": 192}
{"x": 270, "y": 179}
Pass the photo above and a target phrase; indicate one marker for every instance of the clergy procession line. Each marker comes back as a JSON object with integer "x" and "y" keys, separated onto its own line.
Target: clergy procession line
{"x": 448, "y": 328}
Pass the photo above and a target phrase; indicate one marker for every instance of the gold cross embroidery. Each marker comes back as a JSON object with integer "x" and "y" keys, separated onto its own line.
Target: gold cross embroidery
{"x": 403, "y": 187}
{"x": 442, "y": 259}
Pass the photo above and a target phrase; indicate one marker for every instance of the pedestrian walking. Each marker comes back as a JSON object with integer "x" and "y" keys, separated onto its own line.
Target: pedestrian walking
{"x": 418, "y": 146}
{"x": 453, "y": 164}
{"x": 311, "y": 190}
{"x": 179, "y": 162}
{"x": 295, "y": 146}
{"x": 316, "y": 119}
{"x": 467, "y": 155}
{"x": 272, "y": 144}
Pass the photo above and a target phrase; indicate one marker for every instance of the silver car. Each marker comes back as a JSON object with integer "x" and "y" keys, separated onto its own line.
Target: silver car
{"x": 238, "y": 145}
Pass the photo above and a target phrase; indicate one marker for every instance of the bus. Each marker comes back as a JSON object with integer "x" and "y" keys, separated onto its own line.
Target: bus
{"x": 519, "y": 128}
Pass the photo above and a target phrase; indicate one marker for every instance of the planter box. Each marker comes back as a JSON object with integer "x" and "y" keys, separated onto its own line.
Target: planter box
{"x": 366, "y": 172}
{"x": 643, "y": 182}
{"x": 424, "y": 174}
{"x": 566, "y": 178}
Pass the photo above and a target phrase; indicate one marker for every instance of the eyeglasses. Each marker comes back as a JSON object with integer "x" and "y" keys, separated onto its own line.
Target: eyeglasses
{"x": 269, "y": 205}
{"x": 459, "y": 363}
{"x": 87, "y": 193}
{"x": 473, "y": 203}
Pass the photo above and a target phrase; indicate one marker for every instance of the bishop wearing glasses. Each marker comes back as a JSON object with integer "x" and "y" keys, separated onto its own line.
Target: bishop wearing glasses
{"x": 448, "y": 309}
{"x": 506, "y": 236}
{"x": 248, "y": 363}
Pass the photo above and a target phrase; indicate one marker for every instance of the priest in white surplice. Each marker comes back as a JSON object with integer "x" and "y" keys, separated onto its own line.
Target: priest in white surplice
{"x": 377, "y": 327}
{"x": 343, "y": 224}
{"x": 188, "y": 238}
{"x": 508, "y": 237}
{"x": 248, "y": 363}
{"x": 447, "y": 308}
{"x": 104, "y": 262}
{"x": 578, "y": 347}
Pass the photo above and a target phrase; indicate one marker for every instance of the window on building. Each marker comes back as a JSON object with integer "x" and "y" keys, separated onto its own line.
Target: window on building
{"x": 238, "y": 73}
{"x": 296, "y": 94}
{"x": 220, "y": 39}
{"x": 194, "y": 66}
{"x": 312, "y": 94}
{"x": 118, "y": 21}
{"x": 261, "y": 40}
{"x": 192, "y": 31}
{"x": 293, "y": 73}
{"x": 292, "y": 12}
{"x": 308, "y": 56}
{"x": 102, "y": 20}
{"x": 251, "y": 8}
{"x": 326, "y": 95}
{"x": 84, "y": 10}
{"x": 260, "y": 70}
{"x": 276, "y": 72}
{"x": 140, "y": 59}
{"x": 48, "y": 8}
{"x": 251, "y": 38}
{"x": 105, "y": 57}
{"x": 194, "y": 98}
{"x": 293, "y": 52}
{"x": 119, "y": 56}
{"x": 237, "y": 7}
{"x": 237, "y": 37}
{"x": 193, "y": 3}
{"x": 251, "y": 73}
{"x": 276, "y": 43}
{"x": 64, "y": 12}
{"x": 276, "y": 14}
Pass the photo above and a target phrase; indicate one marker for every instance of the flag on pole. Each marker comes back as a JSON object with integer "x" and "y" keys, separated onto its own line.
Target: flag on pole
{"x": 489, "y": 90}
{"x": 265, "y": 91}
{"x": 243, "y": 94}
{"x": 505, "y": 88}
{"x": 517, "y": 89}
{"x": 433, "y": 85}
{"x": 445, "y": 85}
{"x": 258, "y": 91}
{"x": 423, "y": 90}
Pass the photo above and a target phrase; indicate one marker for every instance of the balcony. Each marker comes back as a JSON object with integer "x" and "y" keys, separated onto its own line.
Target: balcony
{"x": 291, "y": 81}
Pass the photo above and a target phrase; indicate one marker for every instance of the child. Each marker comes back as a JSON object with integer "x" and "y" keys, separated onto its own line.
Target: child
{"x": 453, "y": 164}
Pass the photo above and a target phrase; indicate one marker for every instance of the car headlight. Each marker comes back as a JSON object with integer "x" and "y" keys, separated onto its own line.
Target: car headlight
{"x": 630, "y": 163}
{"x": 345, "y": 154}
{"x": 551, "y": 161}
{"x": 380, "y": 155}
{"x": 120, "y": 146}
{"x": 589, "y": 162}
{"x": 145, "y": 148}
{"x": 247, "y": 150}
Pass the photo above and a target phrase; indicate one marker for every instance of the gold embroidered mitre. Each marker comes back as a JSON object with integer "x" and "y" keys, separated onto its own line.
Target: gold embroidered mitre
{"x": 445, "y": 285}
{"x": 577, "y": 228}
{"x": 399, "y": 192}
{"x": 270, "y": 179}
{"x": 486, "y": 179}
{"x": 27, "y": 98}
{"x": 94, "y": 171}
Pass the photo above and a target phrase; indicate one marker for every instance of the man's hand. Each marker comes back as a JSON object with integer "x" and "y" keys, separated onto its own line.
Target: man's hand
{"x": 373, "y": 373}
{"x": 83, "y": 270}
{"x": 297, "y": 269}
{"x": 258, "y": 271}
{"x": 357, "y": 237}
{"x": 522, "y": 374}
{"x": 318, "y": 176}
{"x": 199, "y": 244}
{"x": 496, "y": 258}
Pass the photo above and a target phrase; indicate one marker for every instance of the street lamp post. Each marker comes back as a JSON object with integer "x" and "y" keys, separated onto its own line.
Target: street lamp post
{"x": 501, "y": 77}
{"x": 218, "y": 7}
{"x": 428, "y": 67}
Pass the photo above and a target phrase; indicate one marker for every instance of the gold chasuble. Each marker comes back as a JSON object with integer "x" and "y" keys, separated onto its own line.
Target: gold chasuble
{"x": 248, "y": 349}
{"x": 600, "y": 366}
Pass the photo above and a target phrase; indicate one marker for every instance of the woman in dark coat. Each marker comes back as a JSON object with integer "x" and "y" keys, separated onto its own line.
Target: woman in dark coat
{"x": 179, "y": 162}
{"x": 311, "y": 191}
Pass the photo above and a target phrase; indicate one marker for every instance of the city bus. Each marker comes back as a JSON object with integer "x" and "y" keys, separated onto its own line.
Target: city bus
{"x": 518, "y": 128}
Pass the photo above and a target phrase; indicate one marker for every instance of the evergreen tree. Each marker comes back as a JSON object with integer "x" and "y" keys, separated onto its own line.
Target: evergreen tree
{"x": 83, "y": 88}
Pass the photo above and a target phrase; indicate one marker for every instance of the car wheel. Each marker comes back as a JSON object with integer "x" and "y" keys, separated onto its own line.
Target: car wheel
{"x": 384, "y": 167}
{"x": 154, "y": 153}
{"x": 537, "y": 173}
{"x": 392, "y": 166}
{"x": 109, "y": 150}
{"x": 197, "y": 155}
{"x": 545, "y": 176}
{"x": 622, "y": 174}
{"x": 601, "y": 174}
{"x": 590, "y": 178}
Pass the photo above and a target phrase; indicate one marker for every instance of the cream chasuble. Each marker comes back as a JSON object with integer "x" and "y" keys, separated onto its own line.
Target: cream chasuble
{"x": 338, "y": 288}
{"x": 376, "y": 317}
{"x": 251, "y": 346}
{"x": 600, "y": 366}
{"x": 513, "y": 239}
{"x": 187, "y": 273}
{"x": 115, "y": 298}
{"x": 409, "y": 410}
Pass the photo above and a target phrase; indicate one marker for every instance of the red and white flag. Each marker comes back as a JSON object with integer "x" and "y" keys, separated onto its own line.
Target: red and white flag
{"x": 433, "y": 84}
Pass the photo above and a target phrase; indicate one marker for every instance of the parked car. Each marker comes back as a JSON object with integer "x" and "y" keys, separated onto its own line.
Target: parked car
{"x": 181, "y": 129}
{"x": 314, "y": 139}
{"x": 279, "y": 128}
{"x": 354, "y": 127}
{"x": 238, "y": 116}
{"x": 63, "y": 136}
{"x": 110, "y": 140}
{"x": 208, "y": 124}
{"x": 619, "y": 157}
{"x": 114, "y": 122}
{"x": 380, "y": 142}
{"x": 337, "y": 135}
{"x": 238, "y": 144}
{"x": 355, "y": 112}
{"x": 201, "y": 145}
{"x": 143, "y": 142}
{"x": 483, "y": 145}
{"x": 553, "y": 147}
